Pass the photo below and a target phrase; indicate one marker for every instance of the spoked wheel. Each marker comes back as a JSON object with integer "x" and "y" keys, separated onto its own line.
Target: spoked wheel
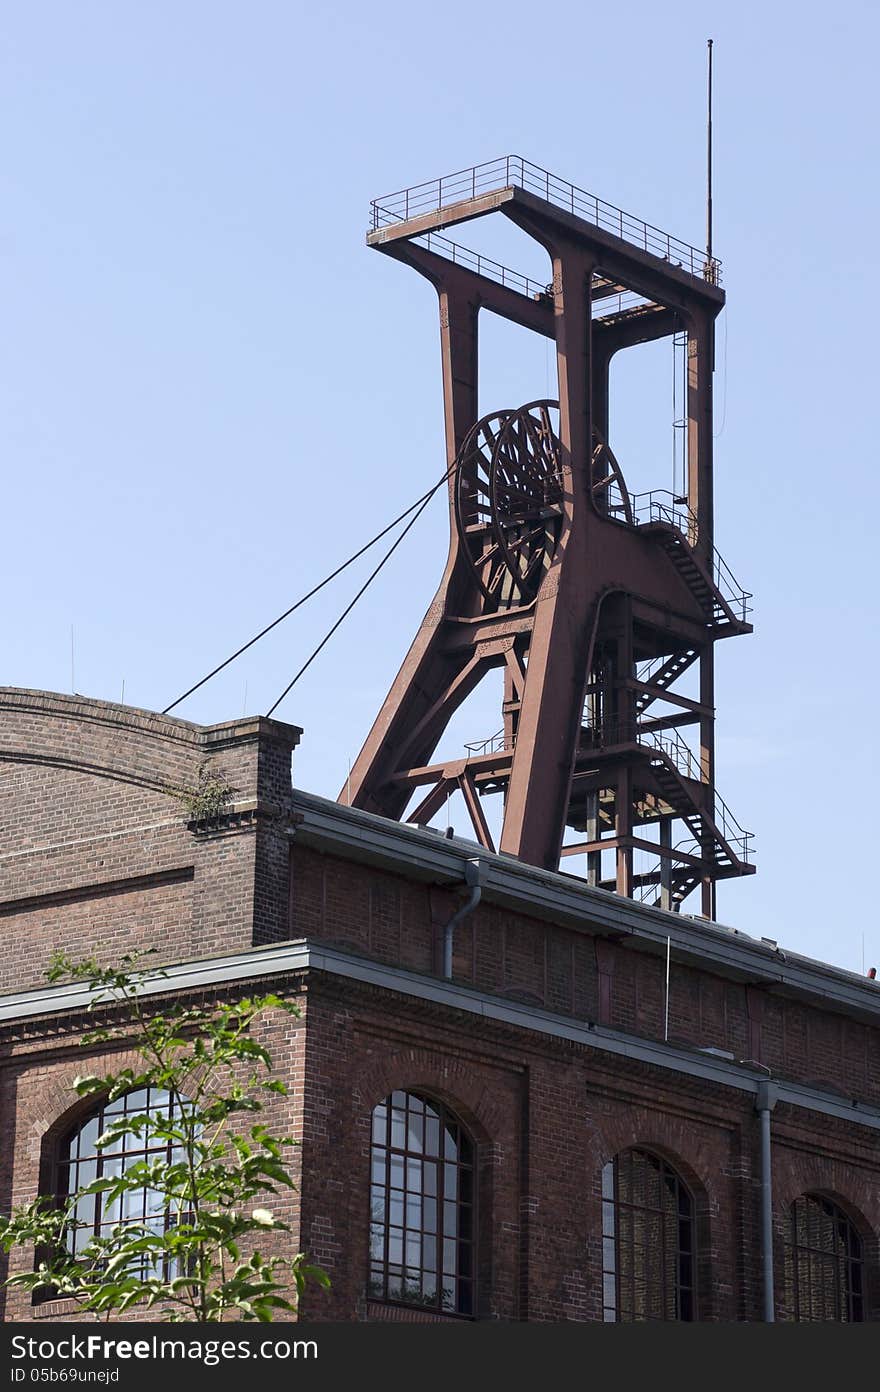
{"x": 526, "y": 495}
{"x": 610, "y": 493}
{"x": 473, "y": 504}
{"x": 509, "y": 498}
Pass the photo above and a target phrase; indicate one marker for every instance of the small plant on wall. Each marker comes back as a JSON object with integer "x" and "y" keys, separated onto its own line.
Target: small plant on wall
{"x": 209, "y": 799}
{"x": 167, "y": 1209}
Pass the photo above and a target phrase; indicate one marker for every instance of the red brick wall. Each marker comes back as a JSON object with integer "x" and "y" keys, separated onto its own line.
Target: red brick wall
{"x": 95, "y": 854}
{"x": 38, "y": 1107}
{"x": 545, "y": 1116}
{"x": 95, "y": 851}
{"x": 573, "y": 973}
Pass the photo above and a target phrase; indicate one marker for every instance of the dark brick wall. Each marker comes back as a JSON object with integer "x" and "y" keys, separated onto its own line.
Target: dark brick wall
{"x": 577, "y": 973}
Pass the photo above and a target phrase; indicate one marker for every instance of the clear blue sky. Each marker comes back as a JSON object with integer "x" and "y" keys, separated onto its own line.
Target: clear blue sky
{"x": 212, "y": 392}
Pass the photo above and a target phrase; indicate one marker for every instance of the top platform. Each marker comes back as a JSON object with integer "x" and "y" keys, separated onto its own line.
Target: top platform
{"x": 417, "y": 208}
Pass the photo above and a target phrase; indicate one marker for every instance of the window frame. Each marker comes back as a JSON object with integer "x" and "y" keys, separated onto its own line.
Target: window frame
{"x": 668, "y": 1173}
{"x": 64, "y": 1164}
{"x": 468, "y": 1244}
{"x": 792, "y": 1248}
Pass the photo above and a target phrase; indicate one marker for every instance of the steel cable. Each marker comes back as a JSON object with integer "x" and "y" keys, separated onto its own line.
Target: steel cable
{"x": 417, "y": 508}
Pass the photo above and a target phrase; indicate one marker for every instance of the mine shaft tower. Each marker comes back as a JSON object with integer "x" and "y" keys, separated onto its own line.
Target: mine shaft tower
{"x": 602, "y": 608}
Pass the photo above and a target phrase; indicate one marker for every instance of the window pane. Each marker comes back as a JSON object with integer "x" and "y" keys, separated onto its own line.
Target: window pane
{"x": 466, "y": 1184}
{"x": 416, "y": 1132}
{"x": 398, "y": 1129}
{"x": 432, "y": 1134}
{"x": 465, "y": 1219}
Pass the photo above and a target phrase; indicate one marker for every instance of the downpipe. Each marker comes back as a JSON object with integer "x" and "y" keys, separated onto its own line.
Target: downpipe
{"x": 764, "y": 1104}
{"x": 473, "y": 876}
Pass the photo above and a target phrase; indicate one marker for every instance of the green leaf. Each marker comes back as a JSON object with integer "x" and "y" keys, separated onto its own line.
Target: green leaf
{"x": 88, "y": 1084}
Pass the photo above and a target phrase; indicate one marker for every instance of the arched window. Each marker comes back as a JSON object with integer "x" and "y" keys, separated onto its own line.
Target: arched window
{"x": 823, "y": 1262}
{"x": 79, "y": 1161}
{"x": 422, "y": 1199}
{"x": 647, "y": 1240}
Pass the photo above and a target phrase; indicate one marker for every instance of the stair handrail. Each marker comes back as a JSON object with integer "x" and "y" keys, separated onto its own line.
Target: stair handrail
{"x": 651, "y": 507}
{"x": 646, "y": 671}
{"x": 493, "y": 744}
{"x": 674, "y": 747}
{"x": 686, "y": 762}
{"x": 688, "y": 844}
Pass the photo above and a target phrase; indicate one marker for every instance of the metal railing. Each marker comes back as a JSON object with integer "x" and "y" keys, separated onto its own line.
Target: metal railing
{"x": 647, "y": 671}
{"x": 675, "y": 749}
{"x": 727, "y": 584}
{"x": 493, "y": 745}
{"x": 687, "y": 763}
{"x": 659, "y": 505}
{"x": 482, "y": 265}
{"x": 683, "y": 759}
{"x": 623, "y": 303}
{"x": 512, "y": 170}
{"x": 606, "y": 306}
{"x": 733, "y": 832}
{"x": 645, "y": 866}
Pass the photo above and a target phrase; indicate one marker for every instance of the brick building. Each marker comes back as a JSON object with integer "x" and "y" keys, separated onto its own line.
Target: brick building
{"x": 540, "y": 1151}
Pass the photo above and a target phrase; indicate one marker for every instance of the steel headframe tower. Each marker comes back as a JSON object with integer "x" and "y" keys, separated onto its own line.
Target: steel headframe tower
{"x": 594, "y": 602}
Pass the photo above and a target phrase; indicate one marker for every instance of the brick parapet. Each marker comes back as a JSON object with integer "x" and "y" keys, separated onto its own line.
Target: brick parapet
{"x": 99, "y": 853}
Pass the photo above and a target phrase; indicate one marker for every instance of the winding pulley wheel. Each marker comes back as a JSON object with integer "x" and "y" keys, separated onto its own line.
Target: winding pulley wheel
{"x": 508, "y": 500}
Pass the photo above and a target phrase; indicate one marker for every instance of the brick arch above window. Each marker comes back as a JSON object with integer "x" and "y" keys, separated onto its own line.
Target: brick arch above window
{"x": 484, "y": 1110}
{"x": 56, "y": 1110}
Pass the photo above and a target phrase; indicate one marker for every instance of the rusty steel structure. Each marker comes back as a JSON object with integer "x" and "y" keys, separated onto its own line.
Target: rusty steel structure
{"x": 594, "y": 602}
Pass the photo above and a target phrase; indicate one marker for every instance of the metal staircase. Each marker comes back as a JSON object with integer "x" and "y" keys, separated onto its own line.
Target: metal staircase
{"x": 663, "y": 673}
{"x": 725, "y": 603}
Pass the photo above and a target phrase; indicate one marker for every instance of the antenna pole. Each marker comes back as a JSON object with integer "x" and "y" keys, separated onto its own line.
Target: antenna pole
{"x": 709, "y": 162}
